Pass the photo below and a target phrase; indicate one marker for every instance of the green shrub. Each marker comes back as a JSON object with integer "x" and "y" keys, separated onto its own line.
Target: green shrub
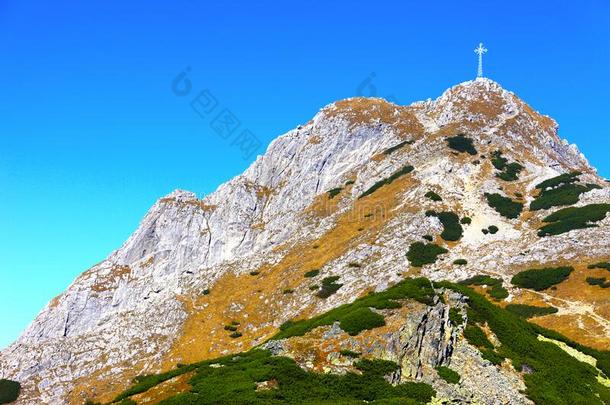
{"x": 235, "y": 383}
{"x": 206, "y": 291}
{"x": 231, "y": 328}
{"x": 571, "y": 218}
{"x": 493, "y": 229}
{"x": 476, "y": 337}
{"x": 492, "y": 356}
{"x": 466, "y": 221}
{"x": 429, "y": 238}
{"x": 418, "y": 289}
{"x": 420, "y": 254}
{"x": 481, "y": 279}
{"x": 452, "y": 230}
{"x": 314, "y": 287}
{"x": 556, "y": 377}
{"x": 600, "y": 265}
{"x": 329, "y": 287}
{"x": 504, "y": 205}
{"x": 146, "y": 382}
{"x": 235, "y": 335}
{"x": 9, "y": 391}
{"x": 433, "y": 196}
{"x": 565, "y": 178}
{"x": 508, "y": 171}
{"x": 485, "y": 231}
{"x": 288, "y": 291}
{"x": 495, "y": 289}
{"x": 381, "y": 183}
{"x": 396, "y": 147}
{"x": 349, "y": 353}
{"x": 567, "y": 194}
{"x": 460, "y": 262}
{"x": 312, "y": 273}
{"x": 255, "y": 273}
{"x": 361, "y": 319}
{"x": 598, "y": 281}
{"x": 354, "y": 264}
{"x": 448, "y": 374}
{"x": 455, "y": 316}
{"x": 541, "y": 279}
{"x": 498, "y": 292}
{"x": 461, "y": 143}
{"x": 528, "y": 311}
{"x": 349, "y": 182}
{"x": 333, "y": 192}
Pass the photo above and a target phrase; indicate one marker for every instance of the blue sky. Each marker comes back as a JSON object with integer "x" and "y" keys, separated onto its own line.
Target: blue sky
{"x": 91, "y": 133}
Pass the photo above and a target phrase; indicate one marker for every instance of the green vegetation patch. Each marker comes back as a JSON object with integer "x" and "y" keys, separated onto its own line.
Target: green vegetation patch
{"x": 476, "y": 337}
{"x": 492, "y": 229}
{"x": 312, "y": 273}
{"x": 349, "y": 353}
{"x": 418, "y": 289}
{"x": 571, "y": 218}
{"x": 466, "y": 221}
{"x": 567, "y": 194}
{"x": 600, "y": 265}
{"x": 235, "y": 382}
{"x": 333, "y": 192}
{"x": 361, "y": 319}
{"x": 504, "y": 205}
{"x": 529, "y": 311}
{"x": 495, "y": 288}
{"x": 9, "y": 391}
{"x": 460, "y": 262}
{"x": 433, "y": 196}
{"x": 145, "y": 382}
{"x": 462, "y": 143}
{"x": 448, "y": 374}
{"x": 556, "y": 377}
{"x": 565, "y": 178}
{"x": 507, "y": 171}
{"x": 420, "y": 253}
{"x": 601, "y": 281}
{"x": 455, "y": 316}
{"x": 329, "y": 287}
{"x": 381, "y": 183}
{"x": 396, "y": 147}
{"x": 541, "y": 279}
{"x": 452, "y": 230}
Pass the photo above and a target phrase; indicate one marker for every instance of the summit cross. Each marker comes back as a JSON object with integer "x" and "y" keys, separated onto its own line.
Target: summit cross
{"x": 480, "y": 51}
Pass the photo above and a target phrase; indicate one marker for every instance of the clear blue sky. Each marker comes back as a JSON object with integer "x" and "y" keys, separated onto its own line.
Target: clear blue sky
{"x": 91, "y": 133}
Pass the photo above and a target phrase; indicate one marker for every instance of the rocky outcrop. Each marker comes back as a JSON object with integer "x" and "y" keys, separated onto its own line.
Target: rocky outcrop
{"x": 419, "y": 338}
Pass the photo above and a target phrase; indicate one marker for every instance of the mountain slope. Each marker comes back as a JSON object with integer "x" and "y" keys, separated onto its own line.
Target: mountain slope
{"x": 193, "y": 265}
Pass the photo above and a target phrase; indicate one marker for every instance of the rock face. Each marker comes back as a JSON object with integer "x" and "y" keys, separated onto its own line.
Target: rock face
{"x": 419, "y": 338}
{"x": 134, "y": 312}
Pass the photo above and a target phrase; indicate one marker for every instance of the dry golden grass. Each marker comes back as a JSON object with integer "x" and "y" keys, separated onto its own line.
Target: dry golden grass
{"x": 257, "y": 301}
{"x": 368, "y": 111}
{"x": 584, "y": 309}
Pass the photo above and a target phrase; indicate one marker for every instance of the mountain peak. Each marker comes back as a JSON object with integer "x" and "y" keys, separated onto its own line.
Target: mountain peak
{"x": 326, "y": 215}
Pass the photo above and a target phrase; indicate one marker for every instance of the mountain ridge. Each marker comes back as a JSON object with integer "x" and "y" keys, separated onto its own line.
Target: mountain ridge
{"x": 266, "y": 221}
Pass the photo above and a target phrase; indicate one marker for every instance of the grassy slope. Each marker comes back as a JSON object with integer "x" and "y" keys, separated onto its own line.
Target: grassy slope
{"x": 557, "y": 378}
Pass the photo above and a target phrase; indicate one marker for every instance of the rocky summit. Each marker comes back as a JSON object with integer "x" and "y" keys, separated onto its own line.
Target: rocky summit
{"x": 449, "y": 251}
